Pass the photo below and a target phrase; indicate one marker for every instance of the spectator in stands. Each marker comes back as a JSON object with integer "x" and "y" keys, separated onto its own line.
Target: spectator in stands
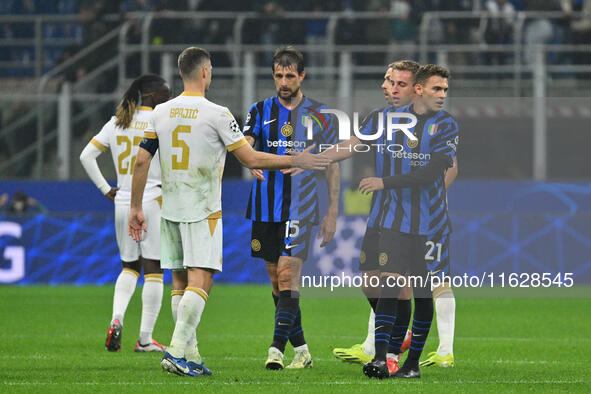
{"x": 91, "y": 16}
{"x": 582, "y": 33}
{"x": 499, "y": 29}
{"x": 404, "y": 28}
{"x": 271, "y": 27}
{"x": 70, "y": 74}
{"x": 21, "y": 204}
{"x": 351, "y": 31}
{"x": 456, "y": 31}
{"x": 377, "y": 32}
{"x": 215, "y": 34}
{"x": 316, "y": 35}
{"x": 541, "y": 31}
{"x": 138, "y": 5}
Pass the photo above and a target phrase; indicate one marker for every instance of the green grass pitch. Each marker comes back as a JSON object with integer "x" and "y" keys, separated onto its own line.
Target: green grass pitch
{"x": 52, "y": 340}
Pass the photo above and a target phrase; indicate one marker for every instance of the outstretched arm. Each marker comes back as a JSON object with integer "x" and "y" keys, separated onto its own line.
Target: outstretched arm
{"x": 342, "y": 150}
{"x": 258, "y": 174}
{"x": 305, "y": 160}
{"x": 423, "y": 176}
{"x": 335, "y": 153}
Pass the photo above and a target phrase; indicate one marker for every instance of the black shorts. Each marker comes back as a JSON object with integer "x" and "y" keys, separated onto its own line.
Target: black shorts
{"x": 270, "y": 240}
{"x": 417, "y": 255}
{"x": 368, "y": 260}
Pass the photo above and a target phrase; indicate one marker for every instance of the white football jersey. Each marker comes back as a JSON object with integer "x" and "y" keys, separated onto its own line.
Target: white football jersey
{"x": 124, "y": 144}
{"x": 193, "y": 135}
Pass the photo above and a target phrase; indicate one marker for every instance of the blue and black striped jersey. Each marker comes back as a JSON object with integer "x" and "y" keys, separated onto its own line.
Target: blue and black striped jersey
{"x": 419, "y": 210}
{"x": 368, "y": 127}
{"x": 276, "y": 130}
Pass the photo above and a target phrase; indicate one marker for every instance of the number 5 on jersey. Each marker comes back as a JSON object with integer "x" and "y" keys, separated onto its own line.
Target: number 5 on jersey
{"x": 183, "y": 162}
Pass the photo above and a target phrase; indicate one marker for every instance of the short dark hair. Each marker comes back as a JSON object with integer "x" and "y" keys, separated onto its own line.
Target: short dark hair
{"x": 190, "y": 59}
{"x": 288, "y": 56}
{"x": 405, "y": 65}
{"x": 429, "y": 70}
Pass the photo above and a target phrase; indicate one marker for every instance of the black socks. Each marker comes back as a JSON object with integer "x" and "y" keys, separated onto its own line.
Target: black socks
{"x": 286, "y": 315}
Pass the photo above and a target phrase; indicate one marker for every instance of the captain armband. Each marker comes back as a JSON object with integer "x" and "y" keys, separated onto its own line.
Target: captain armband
{"x": 150, "y": 144}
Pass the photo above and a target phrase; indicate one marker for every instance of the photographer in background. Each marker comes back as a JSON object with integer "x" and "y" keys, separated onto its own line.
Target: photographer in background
{"x": 21, "y": 204}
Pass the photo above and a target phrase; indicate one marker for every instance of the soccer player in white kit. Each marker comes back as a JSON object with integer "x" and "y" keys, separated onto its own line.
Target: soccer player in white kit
{"x": 192, "y": 135}
{"x": 122, "y": 134}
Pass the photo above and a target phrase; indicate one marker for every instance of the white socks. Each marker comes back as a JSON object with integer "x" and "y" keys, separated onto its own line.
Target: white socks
{"x": 189, "y": 313}
{"x": 175, "y": 298}
{"x": 301, "y": 348}
{"x": 445, "y": 309}
{"x": 124, "y": 288}
{"x": 151, "y": 303}
{"x": 369, "y": 346}
{"x": 192, "y": 351}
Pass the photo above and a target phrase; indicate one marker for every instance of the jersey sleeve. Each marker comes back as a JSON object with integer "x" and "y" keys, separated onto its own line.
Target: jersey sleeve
{"x": 150, "y": 131}
{"x": 150, "y": 144}
{"x": 369, "y": 123}
{"x": 252, "y": 125}
{"x": 327, "y": 132}
{"x": 229, "y": 131}
{"x": 150, "y": 140}
{"x": 447, "y": 139}
{"x": 101, "y": 140}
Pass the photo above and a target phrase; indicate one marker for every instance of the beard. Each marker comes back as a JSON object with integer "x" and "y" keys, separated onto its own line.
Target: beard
{"x": 291, "y": 94}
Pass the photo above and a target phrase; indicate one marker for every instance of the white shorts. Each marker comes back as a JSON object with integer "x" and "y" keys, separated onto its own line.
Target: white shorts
{"x": 149, "y": 247}
{"x": 194, "y": 244}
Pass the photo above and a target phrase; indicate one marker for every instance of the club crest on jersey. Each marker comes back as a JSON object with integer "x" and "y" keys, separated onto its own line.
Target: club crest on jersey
{"x": 255, "y": 245}
{"x": 432, "y": 129}
{"x": 383, "y": 259}
{"x": 287, "y": 130}
{"x": 412, "y": 143}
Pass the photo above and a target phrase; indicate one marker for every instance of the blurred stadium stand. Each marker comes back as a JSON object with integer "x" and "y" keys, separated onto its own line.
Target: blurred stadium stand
{"x": 65, "y": 63}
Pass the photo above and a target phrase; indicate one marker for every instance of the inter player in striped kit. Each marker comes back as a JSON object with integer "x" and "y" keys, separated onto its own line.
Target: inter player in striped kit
{"x": 399, "y": 91}
{"x": 415, "y": 224}
{"x": 122, "y": 134}
{"x": 192, "y": 135}
{"x": 283, "y": 208}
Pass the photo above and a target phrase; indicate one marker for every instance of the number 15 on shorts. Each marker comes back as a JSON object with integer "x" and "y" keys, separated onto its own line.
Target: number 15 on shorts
{"x": 292, "y": 228}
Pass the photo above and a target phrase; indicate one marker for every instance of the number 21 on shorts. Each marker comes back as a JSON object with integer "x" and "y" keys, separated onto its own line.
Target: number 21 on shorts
{"x": 431, "y": 248}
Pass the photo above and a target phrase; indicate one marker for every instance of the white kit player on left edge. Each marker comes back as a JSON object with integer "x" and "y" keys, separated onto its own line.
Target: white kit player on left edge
{"x": 122, "y": 134}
